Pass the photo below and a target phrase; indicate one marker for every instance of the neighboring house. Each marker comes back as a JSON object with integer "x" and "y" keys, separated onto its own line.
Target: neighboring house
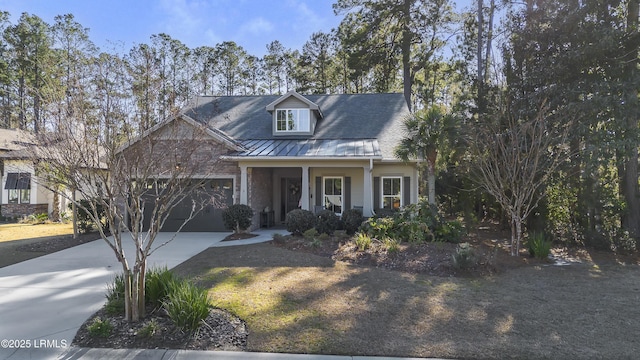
{"x": 314, "y": 152}
{"x": 21, "y": 194}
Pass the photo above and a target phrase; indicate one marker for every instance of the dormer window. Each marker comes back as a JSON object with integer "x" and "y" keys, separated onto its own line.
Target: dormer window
{"x": 292, "y": 120}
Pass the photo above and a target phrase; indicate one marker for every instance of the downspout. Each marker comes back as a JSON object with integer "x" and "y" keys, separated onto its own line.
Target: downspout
{"x": 373, "y": 206}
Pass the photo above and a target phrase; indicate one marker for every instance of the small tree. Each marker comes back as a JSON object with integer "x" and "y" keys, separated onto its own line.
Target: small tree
{"x": 512, "y": 160}
{"x": 237, "y": 217}
{"x": 427, "y": 134}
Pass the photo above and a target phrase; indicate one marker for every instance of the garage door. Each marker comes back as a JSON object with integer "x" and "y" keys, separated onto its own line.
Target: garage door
{"x": 209, "y": 218}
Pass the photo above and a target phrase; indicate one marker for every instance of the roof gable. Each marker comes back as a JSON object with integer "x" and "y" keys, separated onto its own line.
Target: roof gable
{"x": 272, "y": 106}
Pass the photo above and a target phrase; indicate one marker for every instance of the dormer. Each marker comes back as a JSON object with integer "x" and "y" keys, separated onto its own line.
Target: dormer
{"x": 293, "y": 114}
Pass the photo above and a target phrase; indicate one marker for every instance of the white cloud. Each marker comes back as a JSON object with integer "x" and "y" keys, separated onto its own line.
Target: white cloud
{"x": 256, "y": 26}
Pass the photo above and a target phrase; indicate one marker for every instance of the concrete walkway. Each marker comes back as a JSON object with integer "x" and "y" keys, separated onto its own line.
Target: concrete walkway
{"x": 43, "y": 301}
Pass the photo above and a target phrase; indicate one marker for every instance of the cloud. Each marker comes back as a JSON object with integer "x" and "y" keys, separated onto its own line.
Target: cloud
{"x": 256, "y": 26}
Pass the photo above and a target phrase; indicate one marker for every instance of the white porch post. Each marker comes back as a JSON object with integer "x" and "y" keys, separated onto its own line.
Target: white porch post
{"x": 305, "y": 188}
{"x": 243, "y": 185}
{"x": 367, "y": 205}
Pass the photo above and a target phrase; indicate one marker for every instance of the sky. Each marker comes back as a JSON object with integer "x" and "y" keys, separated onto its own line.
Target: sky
{"x": 118, "y": 25}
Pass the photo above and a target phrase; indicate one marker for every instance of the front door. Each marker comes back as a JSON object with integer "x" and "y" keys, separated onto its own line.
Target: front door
{"x": 291, "y": 193}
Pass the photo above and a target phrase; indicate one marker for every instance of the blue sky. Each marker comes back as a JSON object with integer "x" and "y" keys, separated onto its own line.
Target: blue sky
{"x": 250, "y": 23}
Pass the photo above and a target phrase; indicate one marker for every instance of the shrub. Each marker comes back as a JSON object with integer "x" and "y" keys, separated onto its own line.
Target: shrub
{"x": 187, "y": 306}
{"x": 450, "y": 231}
{"x": 392, "y": 245}
{"x": 352, "y": 219}
{"x": 538, "y": 246}
{"x": 279, "y": 238}
{"x": 237, "y": 217}
{"x": 310, "y": 234}
{"x": 115, "y": 296}
{"x": 363, "y": 241}
{"x": 100, "y": 328}
{"x": 298, "y": 221}
{"x": 378, "y": 228}
{"x": 158, "y": 285}
{"x": 36, "y": 219}
{"x": 149, "y": 329}
{"x": 464, "y": 256}
{"x": 327, "y": 222}
{"x": 324, "y": 237}
{"x": 85, "y": 222}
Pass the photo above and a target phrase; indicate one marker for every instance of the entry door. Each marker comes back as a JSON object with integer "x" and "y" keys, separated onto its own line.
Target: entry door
{"x": 291, "y": 193}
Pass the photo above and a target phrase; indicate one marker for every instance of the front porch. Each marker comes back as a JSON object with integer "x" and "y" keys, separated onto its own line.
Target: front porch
{"x": 274, "y": 188}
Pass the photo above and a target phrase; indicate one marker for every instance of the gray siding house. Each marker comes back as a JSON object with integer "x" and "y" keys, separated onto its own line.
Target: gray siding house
{"x": 279, "y": 153}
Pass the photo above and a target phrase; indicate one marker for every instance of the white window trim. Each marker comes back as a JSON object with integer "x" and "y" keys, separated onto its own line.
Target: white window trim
{"x": 382, "y": 195}
{"x": 324, "y": 195}
{"x": 298, "y": 121}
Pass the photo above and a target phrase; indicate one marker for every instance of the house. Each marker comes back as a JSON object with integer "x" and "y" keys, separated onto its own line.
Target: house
{"x": 21, "y": 193}
{"x": 279, "y": 153}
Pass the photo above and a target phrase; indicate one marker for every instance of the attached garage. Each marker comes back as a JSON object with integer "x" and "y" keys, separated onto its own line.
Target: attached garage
{"x": 208, "y": 219}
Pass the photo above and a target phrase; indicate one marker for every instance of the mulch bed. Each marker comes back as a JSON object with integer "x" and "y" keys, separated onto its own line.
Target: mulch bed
{"x": 240, "y": 236}
{"x": 220, "y": 331}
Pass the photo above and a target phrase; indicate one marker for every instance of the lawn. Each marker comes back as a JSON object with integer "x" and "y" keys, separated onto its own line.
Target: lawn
{"x": 302, "y": 303}
{"x": 16, "y": 231}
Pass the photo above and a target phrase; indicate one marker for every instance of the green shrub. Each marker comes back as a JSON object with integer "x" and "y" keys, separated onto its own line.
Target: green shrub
{"x": 149, "y": 329}
{"x": 279, "y": 238}
{"x": 539, "y": 247}
{"x": 237, "y": 217}
{"x": 115, "y": 296}
{"x": 159, "y": 283}
{"x": 464, "y": 256}
{"x": 36, "y": 219}
{"x": 100, "y": 328}
{"x": 451, "y": 231}
{"x": 392, "y": 245}
{"x": 187, "y": 306}
{"x": 324, "y": 237}
{"x": 378, "y": 228}
{"x": 316, "y": 243}
{"x": 85, "y": 222}
{"x": 310, "y": 234}
{"x": 363, "y": 241}
{"x": 298, "y": 221}
{"x": 327, "y": 222}
{"x": 352, "y": 219}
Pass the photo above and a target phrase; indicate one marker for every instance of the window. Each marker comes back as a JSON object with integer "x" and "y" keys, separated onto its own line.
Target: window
{"x": 292, "y": 120}
{"x": 391, "y": 192}
{"x": 333, "y": 194}
{"x": 19, "y": 188}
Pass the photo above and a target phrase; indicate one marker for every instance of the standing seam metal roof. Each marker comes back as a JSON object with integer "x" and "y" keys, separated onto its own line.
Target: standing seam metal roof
{"x": 310, "y": 148}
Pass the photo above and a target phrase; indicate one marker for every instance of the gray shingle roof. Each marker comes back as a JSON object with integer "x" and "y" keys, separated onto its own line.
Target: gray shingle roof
{"x": 345, "y": 117}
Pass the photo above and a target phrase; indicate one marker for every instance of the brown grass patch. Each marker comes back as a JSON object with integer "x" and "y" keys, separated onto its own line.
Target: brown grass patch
{"x": 16, "y": 231}
{"x": 303, "y": 303}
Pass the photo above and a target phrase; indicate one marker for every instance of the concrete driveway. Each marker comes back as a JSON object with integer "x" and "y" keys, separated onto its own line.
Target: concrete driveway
{"x": 44, "y": 301}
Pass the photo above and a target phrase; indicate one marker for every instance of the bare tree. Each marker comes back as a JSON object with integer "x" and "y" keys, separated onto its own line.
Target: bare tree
{"x": 127, "y": 181}
{"x": 512, "y": 160}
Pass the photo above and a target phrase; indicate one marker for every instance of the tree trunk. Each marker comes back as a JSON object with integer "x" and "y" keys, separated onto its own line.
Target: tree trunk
{"x": 480, "y": 76}
{"x": 74, "y": 213}
{"x": 55, "y": 213}
{"x": 630, "y": 177}
{"x": 406, "y": 53}
{"x": 431, "y": 183}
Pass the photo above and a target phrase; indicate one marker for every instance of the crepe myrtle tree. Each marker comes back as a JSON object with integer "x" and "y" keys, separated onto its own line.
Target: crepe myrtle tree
{"x": 138, "y": 178}
{"x": 512, "y": 159}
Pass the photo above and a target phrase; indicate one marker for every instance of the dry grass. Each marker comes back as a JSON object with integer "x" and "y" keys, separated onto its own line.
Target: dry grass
{"x": 12, "y": 232}
{"x": 301, "y": 303}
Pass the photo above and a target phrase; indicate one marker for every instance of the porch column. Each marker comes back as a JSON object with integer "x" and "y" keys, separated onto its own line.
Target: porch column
{"x": 305, "y": 188}
{"x": 367, "y": 205}
{"x": 243, "y": 185}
